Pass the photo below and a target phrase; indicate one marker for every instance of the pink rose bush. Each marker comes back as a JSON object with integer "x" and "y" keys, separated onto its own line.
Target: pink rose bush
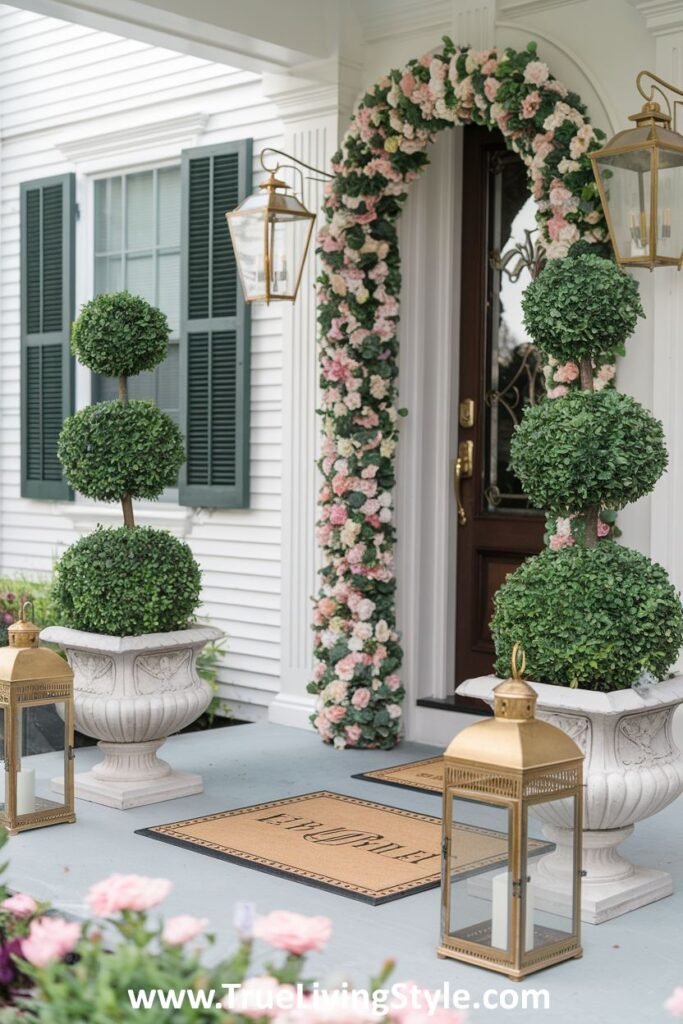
{"x": 56, "y": 969}
{"x": 383, "y": 151}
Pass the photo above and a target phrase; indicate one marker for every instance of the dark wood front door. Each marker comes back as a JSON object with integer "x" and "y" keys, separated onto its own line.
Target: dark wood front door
{"x": 499, "y": 374}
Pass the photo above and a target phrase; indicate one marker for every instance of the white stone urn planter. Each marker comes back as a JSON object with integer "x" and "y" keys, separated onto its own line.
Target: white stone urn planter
{"x": 131, "y": 693}
{"x": 632, "y": 770}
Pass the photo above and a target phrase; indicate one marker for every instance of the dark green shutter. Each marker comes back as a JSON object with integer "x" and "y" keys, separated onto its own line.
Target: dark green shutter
{"x": 215, "y": 331}
{"x": 48, "y": 218}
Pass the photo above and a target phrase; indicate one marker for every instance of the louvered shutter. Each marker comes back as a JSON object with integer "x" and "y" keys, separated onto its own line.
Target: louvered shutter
{"x": 48, "y": 217}
{"x": 215, "y": 331}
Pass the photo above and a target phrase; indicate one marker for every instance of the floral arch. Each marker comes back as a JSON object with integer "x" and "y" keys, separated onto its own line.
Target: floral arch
{"x": 357, "y": 649}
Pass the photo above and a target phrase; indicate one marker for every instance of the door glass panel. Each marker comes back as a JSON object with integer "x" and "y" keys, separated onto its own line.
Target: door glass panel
{"x": 513, "y": 366}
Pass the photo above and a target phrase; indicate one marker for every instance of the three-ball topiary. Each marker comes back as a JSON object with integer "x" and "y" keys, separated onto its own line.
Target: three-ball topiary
{"x": 591, "y": 449}
{"x": 588, "y": 613}
{"x": 590, "y": 617}
{"x": 131, "y": 580}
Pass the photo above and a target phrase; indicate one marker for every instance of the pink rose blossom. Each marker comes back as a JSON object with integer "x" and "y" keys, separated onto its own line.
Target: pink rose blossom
{"x": 127, "y": 892}
{"x": 335, "y": 713}
{"x": 489, "y": 66}
{"x": 566, "y": 374}
{"x": 20, "y": 905}
{"x": 50, "y": 939}
{"x": 338, "y": 515}
{"x": 394, "y": 710}
{"x": 530, "y": 104}
{"x": 179, "y": 930}
{"x": 536, "y": 72}
{"x": 603, "y": 529}
{"x": 559, "y": 392}
{"x": 327, "y": 607}
{"x": 353, "y": 734}
{"x": 491, "y": 87}
{"x": 674, "y": 1003}
{"x": 366, "y": 608}
{"x": 361, "y": 698}
{"x": 294, "y": 933}
{"x": 558, "y": 541}
{"x": 393, "y": 681}
{"x": 407, "y": 83}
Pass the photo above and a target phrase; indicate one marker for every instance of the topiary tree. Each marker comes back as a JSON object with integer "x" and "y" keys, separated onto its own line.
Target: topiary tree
{"x": 130, "y": 580}
{"x": 589, "y": 614}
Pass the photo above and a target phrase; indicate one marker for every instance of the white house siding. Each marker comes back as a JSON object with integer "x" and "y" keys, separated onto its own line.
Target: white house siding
{"x": 61, "y": 82}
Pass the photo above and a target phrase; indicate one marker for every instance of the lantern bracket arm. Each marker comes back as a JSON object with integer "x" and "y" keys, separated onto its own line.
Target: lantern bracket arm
{"x": 295, "y": 165}
{"x": 648, "y": 96}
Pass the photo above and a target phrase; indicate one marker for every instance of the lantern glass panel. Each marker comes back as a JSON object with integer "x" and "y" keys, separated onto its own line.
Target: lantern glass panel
{"x": 4, "y": 711}
{"x": 669, "y": 199}
{"x": 551, "y": 917}
{"x": 40, "y": 728}
{"x": 248, "y": 232}
{"x": 480, "y": 902}
{"x": 627, "y": 182}
{"x": 287, "y": 246}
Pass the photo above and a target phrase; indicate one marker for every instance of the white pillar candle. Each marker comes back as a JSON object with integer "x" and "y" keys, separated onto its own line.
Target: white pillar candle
{"x": 26, "y": 791}
{"x": 500, "y": 897}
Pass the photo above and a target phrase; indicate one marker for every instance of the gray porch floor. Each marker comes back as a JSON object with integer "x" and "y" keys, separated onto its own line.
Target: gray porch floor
{"x": 630, "y": 964}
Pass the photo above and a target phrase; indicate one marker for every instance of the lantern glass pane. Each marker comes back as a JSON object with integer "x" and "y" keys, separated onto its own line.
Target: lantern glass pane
{"x": 287, "y": 244}
{"x": 40, "y": 729}
{"x": 549, "y": 914}
{"x": 248, "y": 234}
{"x": 669, "y": 198}
{"x": 479, "y": 875}
{"x": 626, "y": 179}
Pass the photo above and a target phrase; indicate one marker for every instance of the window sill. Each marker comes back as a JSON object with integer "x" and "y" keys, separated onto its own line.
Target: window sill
{"x": 87, "y": 517}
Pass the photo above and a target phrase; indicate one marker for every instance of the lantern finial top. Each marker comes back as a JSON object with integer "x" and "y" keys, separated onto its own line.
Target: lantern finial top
{"x": 23, "y": 633}
{"x": 514, "y": 698}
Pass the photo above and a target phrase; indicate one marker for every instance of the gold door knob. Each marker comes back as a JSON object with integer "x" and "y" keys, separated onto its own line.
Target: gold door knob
{"x": 464, "y": 468}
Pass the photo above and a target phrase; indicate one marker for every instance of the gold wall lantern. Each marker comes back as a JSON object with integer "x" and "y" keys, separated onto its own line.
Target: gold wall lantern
{"x": 506, "y": 774}
{"x": 271, "y": 232}
{"x": 639, "y": 174}
{"x": 36, "y": 686}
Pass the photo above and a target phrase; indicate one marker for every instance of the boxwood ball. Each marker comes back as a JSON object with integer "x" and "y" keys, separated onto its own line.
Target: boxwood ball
{"x": 587, "y": 450}
{"x": 120, "y": 334}
{"x": 113, "y": 449}
{"x": 596, "y": 618}
{"x": 582, "y": 306}
{"x": 127, "y": 581}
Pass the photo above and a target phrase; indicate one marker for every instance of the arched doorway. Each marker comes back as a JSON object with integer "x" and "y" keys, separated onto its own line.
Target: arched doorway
{"x": 358, "y": 653}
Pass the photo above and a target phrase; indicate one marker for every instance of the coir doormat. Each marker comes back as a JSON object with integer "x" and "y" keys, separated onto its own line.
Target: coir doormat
{"x": 356, "y": 848}
{"x": 425, "y": 776}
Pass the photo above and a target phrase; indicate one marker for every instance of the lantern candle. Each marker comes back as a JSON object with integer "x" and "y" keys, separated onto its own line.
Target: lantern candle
{"x": 499, "y": 923}
{"x": 26, "y": 791}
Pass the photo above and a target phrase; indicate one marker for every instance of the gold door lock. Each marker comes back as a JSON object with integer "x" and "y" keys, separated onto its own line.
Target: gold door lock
{"x": 464, "y": 468}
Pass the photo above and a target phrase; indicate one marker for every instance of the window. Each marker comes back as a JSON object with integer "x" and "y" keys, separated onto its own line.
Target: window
{"x": 137, "y": 248}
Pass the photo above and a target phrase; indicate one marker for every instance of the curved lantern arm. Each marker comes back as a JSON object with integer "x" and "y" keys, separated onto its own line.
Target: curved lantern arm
{"x": 649, "y": 96}
{"x": 295, "y": 166}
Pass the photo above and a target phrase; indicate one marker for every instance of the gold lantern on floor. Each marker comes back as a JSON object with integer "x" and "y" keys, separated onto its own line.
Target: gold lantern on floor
{"x": 506, "y": 774}
{"x": 36, "y": 696}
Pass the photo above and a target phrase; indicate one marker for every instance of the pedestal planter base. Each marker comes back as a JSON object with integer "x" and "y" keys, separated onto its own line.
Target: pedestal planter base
{"x": 132, "y": 775}
{"x": 632, "y": 770}
{"x": 131, "y": 693}
{"x": 611, "y": 886}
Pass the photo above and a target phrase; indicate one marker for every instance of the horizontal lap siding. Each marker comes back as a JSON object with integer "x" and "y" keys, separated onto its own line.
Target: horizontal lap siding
{"x": 62, "y": 82}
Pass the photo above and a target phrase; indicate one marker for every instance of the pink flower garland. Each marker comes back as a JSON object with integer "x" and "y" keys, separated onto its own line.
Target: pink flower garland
{"x": 357, "y": 649}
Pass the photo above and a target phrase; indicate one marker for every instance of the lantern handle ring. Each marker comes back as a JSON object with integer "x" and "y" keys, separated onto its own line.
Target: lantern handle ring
{"x": 655, "y": 88}
{"x": 295, "y": 166}
{"x": 518, "y": 662}
{"x": 24, "y": 605}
